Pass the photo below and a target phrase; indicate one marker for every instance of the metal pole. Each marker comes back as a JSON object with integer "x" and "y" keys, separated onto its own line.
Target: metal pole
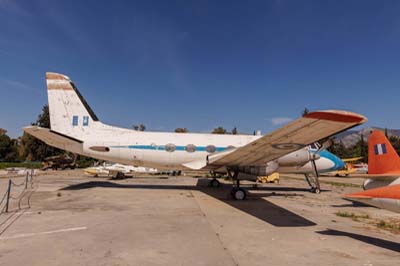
{"x": 26, "y": 179}
{"x": 8, "y": 194}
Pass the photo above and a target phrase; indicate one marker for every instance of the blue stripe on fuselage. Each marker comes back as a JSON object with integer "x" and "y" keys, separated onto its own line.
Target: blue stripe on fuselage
{"x": 162, "y": 147}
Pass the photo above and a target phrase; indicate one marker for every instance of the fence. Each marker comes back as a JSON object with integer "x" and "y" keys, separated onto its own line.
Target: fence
{"x": 8, "y": 196}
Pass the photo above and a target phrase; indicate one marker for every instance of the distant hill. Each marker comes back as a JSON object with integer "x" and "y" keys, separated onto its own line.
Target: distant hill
{"x": 351, "y": 137}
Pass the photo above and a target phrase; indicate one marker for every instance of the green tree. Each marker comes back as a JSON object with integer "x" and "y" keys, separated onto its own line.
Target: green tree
{"x": 395, "y": 141}
{"x": 32, "y": 149}
{"x": 234, "y": 131}
{"x": 339, "y": 149}
{"x": 140, "y": 127}
{"x": 8, "y": 147}
{"x": 181, "y": 130}
{"x": 219, "y": 130}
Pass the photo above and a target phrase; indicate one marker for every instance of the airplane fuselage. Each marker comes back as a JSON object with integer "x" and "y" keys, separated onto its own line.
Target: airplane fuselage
{"x": 173, "y": 150}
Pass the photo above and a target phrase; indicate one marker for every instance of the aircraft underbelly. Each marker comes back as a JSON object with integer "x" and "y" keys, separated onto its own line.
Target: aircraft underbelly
{"x": 389, "y": 204}
{"x": 169, "y": 159}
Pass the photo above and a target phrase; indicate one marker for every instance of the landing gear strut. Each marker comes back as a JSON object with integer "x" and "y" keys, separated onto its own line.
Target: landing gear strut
{"x": 313, "y": 182}
{"x": 237, "y": 192}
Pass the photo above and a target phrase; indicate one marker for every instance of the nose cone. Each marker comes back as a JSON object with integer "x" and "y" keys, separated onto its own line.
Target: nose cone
{"x": 338, "y": 164}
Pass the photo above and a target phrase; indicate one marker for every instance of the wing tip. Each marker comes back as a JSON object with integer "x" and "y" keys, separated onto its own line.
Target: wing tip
{"x": 337, "y": 116}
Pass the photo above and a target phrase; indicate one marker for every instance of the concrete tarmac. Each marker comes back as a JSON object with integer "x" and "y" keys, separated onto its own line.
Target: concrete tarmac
{"x": 80, "y": 220}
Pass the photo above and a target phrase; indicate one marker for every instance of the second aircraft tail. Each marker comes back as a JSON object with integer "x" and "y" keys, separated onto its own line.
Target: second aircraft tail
{"x": 382, "y": 157}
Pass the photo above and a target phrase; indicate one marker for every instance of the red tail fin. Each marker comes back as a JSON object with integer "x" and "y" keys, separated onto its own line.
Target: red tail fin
{"x": 382, "y": 157}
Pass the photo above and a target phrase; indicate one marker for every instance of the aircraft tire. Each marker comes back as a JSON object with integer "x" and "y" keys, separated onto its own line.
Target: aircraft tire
{"x": 239, "y": 193}
{"x": 214, "y": 183}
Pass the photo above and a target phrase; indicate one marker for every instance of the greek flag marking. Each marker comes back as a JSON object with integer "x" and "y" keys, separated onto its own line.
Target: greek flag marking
{"x": 380, "y": 149}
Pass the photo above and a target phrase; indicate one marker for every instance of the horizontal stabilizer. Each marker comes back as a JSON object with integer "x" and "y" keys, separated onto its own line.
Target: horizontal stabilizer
{"x": 388, "y": 192}
{"x": 55, "y": 139}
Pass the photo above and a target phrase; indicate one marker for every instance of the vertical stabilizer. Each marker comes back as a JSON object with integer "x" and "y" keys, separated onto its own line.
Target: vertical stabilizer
{"x": 70, "y": 114}
{"x": 382, "y": 157}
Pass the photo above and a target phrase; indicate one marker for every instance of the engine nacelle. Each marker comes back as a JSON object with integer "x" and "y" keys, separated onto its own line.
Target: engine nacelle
{"x": 268, "y": 169}
{"x": 296, "y": 158}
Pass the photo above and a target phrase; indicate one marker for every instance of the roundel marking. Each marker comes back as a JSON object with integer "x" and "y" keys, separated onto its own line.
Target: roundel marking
{"x": 287, "y": 146}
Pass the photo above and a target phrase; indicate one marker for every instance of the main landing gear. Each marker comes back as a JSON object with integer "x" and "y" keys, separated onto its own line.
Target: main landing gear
{"x": 214, "y": 181}
{"x": 237, "y": 192}
{"x": 313, "y": 182}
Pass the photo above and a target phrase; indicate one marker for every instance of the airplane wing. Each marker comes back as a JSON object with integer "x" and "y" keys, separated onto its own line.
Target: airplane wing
{"x": 308, "y": 129}
{"x": 349, "y": 160}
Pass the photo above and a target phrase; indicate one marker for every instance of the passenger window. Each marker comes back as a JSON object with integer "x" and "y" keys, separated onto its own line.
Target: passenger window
{"x": 210, "y": 148}
{"x": 170, "y": 147}
{"x": 190, "y": 148}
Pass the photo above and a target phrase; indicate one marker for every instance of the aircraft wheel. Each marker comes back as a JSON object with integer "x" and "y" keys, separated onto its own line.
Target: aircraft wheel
{"x": 239, "y": 193}
{"x": 214, "y": 183}
{"x": 315, "y": 190}
{"x": 120, "y": 175}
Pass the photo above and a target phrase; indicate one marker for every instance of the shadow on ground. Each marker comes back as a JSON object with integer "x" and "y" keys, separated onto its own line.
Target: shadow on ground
{"x": 366, "y": 239}
{"x": 254, "y": 205}
{"x": 352, "y": 203}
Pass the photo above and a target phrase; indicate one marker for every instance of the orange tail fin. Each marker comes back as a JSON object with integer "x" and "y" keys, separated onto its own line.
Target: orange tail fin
{"x": 382, "y": 157}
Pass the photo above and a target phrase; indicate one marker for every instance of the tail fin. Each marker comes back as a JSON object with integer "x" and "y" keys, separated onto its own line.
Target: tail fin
{"x": 70, "y": 114}
{"x": 382, "y": 157}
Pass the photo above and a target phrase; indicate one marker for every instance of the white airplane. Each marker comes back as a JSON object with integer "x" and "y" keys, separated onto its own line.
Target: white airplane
{"x": 118, "y": 170}
{"x": 76, "y": 128}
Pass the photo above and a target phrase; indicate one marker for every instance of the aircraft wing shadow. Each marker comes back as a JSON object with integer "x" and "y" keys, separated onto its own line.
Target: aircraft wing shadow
{"x": 254, "y": 205}
{"x": 386, "y": 244}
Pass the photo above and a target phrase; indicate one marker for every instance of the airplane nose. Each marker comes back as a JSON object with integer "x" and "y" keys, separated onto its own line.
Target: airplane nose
{"x": 339, "y": 164}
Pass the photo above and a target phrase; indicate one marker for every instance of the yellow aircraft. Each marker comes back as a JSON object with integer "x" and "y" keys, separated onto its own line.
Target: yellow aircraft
{"x": 350, "y": 166}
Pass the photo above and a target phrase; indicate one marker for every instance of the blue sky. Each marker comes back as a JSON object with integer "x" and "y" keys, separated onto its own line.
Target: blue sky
{"x": 202, "y": 64}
